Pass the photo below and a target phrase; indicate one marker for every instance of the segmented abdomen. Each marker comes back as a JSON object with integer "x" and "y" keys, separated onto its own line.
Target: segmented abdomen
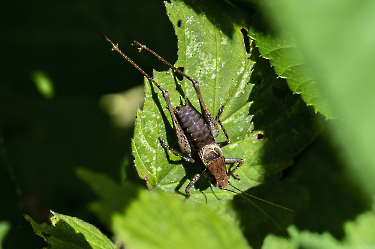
{"x": 195, "y": 128}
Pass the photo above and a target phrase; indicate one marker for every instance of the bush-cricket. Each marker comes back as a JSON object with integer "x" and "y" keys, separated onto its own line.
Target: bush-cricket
{"x": 196, "y": 134}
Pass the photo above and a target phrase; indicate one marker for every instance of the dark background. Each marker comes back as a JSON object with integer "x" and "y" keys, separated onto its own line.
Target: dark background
{"x": 44, "y": 140}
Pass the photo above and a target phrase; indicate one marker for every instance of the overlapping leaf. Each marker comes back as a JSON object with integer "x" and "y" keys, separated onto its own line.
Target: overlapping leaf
{"x": 219, "y": 61}
{"x": 358, "y": 234}
{"x": 284, "y": 55}
{"x": 70, "y": 232}
{"x": 153, "y": 219}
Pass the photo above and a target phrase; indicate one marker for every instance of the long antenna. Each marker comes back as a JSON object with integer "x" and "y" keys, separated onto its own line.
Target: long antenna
{"x": 140, "y": 47}
{"x": 115, "y": 47}
{"x": 253, "y": 196}
{"x": 269, "y": 217}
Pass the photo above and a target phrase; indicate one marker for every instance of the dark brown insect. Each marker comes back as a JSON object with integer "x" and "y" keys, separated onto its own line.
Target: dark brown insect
{"x": 196, "y": 135}
{"x": 195, "y": 132}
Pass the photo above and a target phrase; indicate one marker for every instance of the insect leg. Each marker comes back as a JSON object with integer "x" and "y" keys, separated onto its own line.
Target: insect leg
{"x": 188, "y": 159}
{"x": 222, "y": 144}
{"x": 192, "y": 182}
{"x": 182, "y": 140}
{"x": 233, "y": 161}
{"x": 205, "y": 112}
{"x": 181, "y": 137}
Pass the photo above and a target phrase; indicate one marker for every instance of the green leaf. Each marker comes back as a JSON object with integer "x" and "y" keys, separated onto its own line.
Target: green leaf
{"x": 222, "y": 67}
{"x": 359, "y": 234}
{"x": 157, "y": 220}
{"x": 4, "y": 229}
{"x": 255, "y": 103}
{"x": 288, "y": 61}
{"x": 70, "y": 232}
{"x": 153, "y": 219}
{"x": 339, "y": 46}
{"x": 109, "y": 192}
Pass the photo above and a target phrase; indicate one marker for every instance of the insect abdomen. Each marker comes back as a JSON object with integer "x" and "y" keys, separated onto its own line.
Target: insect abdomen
{"x": 194, "y": 127}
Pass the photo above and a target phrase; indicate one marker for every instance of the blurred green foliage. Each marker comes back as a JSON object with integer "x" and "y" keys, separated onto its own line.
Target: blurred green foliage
{"x": 45, "y": 139}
